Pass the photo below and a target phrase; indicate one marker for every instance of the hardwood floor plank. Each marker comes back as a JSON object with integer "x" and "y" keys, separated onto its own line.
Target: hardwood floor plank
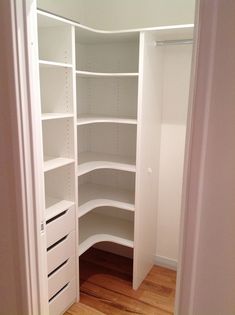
{"x": 82, "y": 309}
{"x": 106, "y": 287}
{"x": 154, "y": 295}
{"x": 118, "y": 301}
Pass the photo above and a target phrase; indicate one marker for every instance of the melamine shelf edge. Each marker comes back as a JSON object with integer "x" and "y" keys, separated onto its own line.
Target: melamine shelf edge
{"x": 106, "y": 203}
{"x": 99, "y": 119}
{"x": 54, "y": 163}
{"x": 47, "y": 63}
{"x": 85, "y": 168}
{"x": 53, "y": 116}
{"x": 106, "y": 74}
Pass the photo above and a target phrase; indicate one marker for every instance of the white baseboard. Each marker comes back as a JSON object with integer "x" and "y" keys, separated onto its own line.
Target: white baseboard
{"x": 165, "y": 262}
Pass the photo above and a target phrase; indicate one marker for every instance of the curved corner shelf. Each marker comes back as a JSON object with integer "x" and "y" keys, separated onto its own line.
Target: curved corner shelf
{"x": 52, "y": 116}
{"x": 95, "y": 228}
{"x": 90, "y": 161}
{"x": 49, "y": 64}
{"x": 93, "y": 119}
{"x": 51, "y": 163}
{"x": 93, "y": 196}
{"x": 89, "y": 74}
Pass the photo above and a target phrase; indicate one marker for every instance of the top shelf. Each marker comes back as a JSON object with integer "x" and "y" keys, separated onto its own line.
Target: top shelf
{"x": 90, "y": 35}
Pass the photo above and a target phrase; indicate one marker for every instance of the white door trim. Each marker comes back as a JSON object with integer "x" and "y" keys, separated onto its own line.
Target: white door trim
{"x": 28, "y": 162}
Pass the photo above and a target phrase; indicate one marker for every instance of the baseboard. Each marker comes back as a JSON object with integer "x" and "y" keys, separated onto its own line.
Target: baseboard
{"x": 165, "y": 262}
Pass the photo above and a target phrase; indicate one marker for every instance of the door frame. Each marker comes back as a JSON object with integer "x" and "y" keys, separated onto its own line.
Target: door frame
{"x": 20, "y": 46}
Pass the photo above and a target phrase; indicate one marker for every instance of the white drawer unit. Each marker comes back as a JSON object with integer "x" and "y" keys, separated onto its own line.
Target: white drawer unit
{"x": 61, "y": 276}
{"x": 63, "y": 299}
{"x": 60, "y": 225}
{"x": 61, "y": 252}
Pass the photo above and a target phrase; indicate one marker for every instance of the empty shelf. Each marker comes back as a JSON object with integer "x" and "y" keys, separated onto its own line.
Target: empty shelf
{"x": 89, "y": 161}
{"x": 51, "y": 163}
{"x": 45, "y": 63}
{"x": 55, "y": 206}
{"x": 106, "y": 74}
{"x": 92, "y": 196}
{"x": 50, "y": 116}
{"x": 91, "y": 119}
{"x": 95, "y": 228}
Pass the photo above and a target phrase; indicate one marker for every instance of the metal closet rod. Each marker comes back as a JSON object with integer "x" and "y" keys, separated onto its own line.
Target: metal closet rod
{"x": 173, "y": 42}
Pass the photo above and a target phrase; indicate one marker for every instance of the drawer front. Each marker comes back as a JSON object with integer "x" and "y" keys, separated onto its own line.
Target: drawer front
{"x": 62, "y": 301}
{"x": 60, "y": 226}
{"x": 61, "y": 276}
{"x": 61, "y": 252}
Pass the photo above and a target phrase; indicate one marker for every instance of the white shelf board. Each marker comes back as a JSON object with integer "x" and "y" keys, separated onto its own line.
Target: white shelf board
{"x": 90, "y": 161}
{"x": 95, "y": 228}
{"x": 51, "y": 163}
{"x": 90, "y": 35}
{"x": 48, "y": 64}
{"x": 89, "y": 74}
{"x": 50, "y": 116}
{"x": 92, "y": 196}
{"x": 92, "y": 119}
{"x": 55, "y": 206}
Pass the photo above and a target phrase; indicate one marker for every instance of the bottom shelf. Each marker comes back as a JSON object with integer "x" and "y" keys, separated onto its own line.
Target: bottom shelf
{"x": 96, "y": 227}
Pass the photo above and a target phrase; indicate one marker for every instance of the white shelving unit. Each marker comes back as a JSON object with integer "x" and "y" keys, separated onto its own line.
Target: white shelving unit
{"x": 100, "y": 121}
{"x": 96, "y": 227}
{"x": 58, "y": 119}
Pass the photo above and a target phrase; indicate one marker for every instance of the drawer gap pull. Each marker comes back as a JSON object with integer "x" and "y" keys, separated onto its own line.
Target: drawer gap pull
{"x": 58, "y": 292}
{"x": 56, "y": 217}
{"x": 57, "y": 268}
{"x": 56, "y": 243}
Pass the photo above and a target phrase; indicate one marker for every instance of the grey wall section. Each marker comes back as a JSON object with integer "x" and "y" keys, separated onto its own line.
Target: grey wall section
{"x": 123, "y": 14}
{"x": 70, "y": 9}
{"x": 208, "y": 260}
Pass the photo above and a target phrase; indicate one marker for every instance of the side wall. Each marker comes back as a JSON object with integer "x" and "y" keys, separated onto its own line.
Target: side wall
{"x": 206, "y": 281}
{"x": 176, "y": 78}
{"x": 123, "y": 14}
{"x": 70, "y": 9}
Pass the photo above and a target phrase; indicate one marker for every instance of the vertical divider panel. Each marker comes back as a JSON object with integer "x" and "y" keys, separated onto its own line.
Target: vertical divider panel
{"x": 148, "y": 154}
{"x": 76, "y": 161}
{"x": 39, "y": 171}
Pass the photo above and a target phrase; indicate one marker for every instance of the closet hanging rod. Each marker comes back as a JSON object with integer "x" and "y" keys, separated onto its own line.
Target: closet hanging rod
{"x": 173, "y": 42}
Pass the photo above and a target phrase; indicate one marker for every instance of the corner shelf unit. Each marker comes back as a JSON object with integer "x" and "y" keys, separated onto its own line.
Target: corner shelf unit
{"x": 100, "y": 127}
{"x": 96, "y": 227}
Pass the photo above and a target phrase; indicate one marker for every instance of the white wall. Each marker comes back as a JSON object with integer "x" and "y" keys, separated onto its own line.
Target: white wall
{"x": 176, "y": 78}
{"x": 122, "y": 14}
{"x": 70, "y": 9}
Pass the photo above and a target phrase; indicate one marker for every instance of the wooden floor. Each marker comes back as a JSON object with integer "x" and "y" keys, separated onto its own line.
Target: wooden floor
{"x": 106, "y": 288}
